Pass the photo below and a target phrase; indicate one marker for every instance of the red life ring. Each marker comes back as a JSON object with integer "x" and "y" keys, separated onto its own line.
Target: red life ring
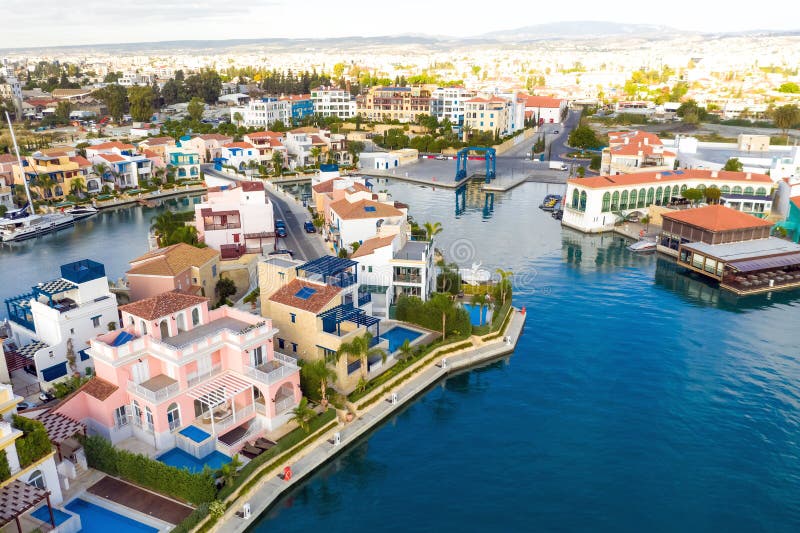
{"x": 287, "y": 473}
{"x": 641, "y": 233}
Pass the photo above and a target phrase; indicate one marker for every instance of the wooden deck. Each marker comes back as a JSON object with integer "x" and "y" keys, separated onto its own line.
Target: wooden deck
{"x": 140, "y": 499}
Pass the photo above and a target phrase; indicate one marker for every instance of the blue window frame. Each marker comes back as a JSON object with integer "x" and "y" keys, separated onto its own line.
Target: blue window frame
{"x": 281, "y": 343}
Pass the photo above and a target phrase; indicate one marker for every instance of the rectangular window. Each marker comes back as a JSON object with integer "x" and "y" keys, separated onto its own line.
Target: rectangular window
{"x": 121, "y": 416}
{"x": 281, "y": 343}
{"x": 96, "y": 320}
{"x": 370, "y": 269}
{"x": 293, "y": 317}
{"x": 294, "y": 347}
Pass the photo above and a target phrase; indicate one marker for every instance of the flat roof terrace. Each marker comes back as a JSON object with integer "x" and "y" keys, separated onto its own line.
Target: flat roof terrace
{"x": 206, "y": 330}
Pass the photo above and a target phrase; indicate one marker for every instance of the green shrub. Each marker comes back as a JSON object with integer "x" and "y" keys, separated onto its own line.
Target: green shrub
{"x": 428, "y": 314}
{"x": 180, "y": 483}
{"x": 34, "y": 443}
{"x": 5, "y": 470}
{"x": 191, "y": 521}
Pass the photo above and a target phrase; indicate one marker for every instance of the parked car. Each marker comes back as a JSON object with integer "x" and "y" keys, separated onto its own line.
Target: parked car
{"x": 440, "y": 158}
{"x": 21, "y": 406}
{"x": 555, "y": 132}
{"x": 309, "y": 227}
{"x": 280, "y": 232}
{"x": 282, "y": 251}
{"x": 280, "y": 224}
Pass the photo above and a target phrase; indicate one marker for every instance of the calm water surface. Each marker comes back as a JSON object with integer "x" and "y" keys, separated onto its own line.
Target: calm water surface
{"x": 637, "y": 400}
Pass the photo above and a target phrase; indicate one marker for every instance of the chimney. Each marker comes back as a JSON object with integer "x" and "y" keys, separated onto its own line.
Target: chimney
{"x": 646, "y": 141}
{"x": 748, "y": 176}
{"x": 626, "y": 140}
{"x": 714, "y": 173}
{"x": 658, "y": 175}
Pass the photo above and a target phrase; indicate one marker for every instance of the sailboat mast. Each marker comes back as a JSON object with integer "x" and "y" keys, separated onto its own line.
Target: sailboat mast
{"x": 21, "y": 168}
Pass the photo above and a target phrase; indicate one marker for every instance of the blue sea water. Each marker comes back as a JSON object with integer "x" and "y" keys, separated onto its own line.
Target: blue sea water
{"x": 639, "y": 399}
{"x": 398, "y": 335}
{"x": 96, "y": 518}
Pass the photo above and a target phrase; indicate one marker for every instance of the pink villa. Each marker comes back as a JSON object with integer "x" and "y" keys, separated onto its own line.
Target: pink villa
{"x": 181, "y": 375}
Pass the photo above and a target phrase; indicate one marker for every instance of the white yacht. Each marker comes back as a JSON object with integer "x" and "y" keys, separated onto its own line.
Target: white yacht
{"x": 24, "y": 223}
{"x": 79, "y": 212}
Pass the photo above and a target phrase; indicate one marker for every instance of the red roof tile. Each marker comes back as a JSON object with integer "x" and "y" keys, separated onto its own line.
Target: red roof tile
{"x": 250, "y": 186}
{"x": 643, "y": 178}
{"x": 370, "y": 245}
{"x": 239, "y": 144}
{"x": 349, "y": 211}
{"x": 796, "y": 201}
{"x": 82, "y": 161}
{"x": 322, "y": 296}
{"x": 109, "y": 145}
{"x": 542, "y": 101}
{"x": 164, "y": 304}
{"x": 717, "y": 218}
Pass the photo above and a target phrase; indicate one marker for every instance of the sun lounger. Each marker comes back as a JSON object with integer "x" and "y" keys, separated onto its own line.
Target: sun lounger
{"x": 264, "y": 444}
{"x": 251, "y": 452}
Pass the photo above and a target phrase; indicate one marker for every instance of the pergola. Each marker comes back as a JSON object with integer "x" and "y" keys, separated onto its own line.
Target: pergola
{"x": 60, "y": 429}
{"x": 333, "y": 318}
{"x": 218, "y": 391}
{"x": 331, "y": 269}
{"x": 17, "y": 498}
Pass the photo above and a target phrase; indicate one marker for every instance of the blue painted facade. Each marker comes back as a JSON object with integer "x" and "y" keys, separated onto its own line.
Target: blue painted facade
{"x": 302, "y": 109}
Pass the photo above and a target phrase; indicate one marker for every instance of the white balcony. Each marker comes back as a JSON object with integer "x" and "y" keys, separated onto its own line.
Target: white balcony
{"x": 273, "y": 371}
{"x": 223, "y": 419}
{"x": 156, "y": 389}
{"x": 195, "y": 378}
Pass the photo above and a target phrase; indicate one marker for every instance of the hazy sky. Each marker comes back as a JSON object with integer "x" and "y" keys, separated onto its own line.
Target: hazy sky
{"x": 69, "y": 22}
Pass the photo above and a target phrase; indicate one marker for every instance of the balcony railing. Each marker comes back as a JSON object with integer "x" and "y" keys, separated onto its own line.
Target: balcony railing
{"x": 408, "y": 278}
{"x": 342, "y": 281}
{"x": 281, "y": 406}
{"x": 364, "y": 298}
{"x": 154, "y": 396}
{"x": 195, "y": 378}
{"x": 230, "y": 225}
{"x": 223, "y": 423}
{"x": 273, "y": 376}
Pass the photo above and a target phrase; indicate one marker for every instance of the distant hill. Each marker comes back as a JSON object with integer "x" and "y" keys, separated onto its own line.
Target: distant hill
{"x": 585, "y": 29}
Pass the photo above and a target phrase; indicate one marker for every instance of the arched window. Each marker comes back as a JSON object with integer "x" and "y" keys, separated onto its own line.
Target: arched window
{"x": 144, "y": 327}
{"x": 725, "y": 189}
{"x": 659, "y": 195}
{"x": 195, "y": 316}
{"x": 683, "y": 188}
{"x": 676, "y": 192}
{"x": 59, "y": 191}
{"x": 737, "y": 190}
{"x": 749, "y": 191}
{"x": 37, "y": 480}
{"x": 148, "y": 414}
{"x": 761, "y": 191}
{"x": 181, "y": 321}
{"x": 583, "y": 201}
{"x": 615, "y": 201}
{"x": 606, "y": 203}
{"x": 632, "y": 200}
{"x": 173, "y": 416}
{"x": 137, "y": 413}
{"x": 642, "y": 194}
{"x": 623, "y": 201}
{"x": 651, "y": 195}
{"x": 575, "y": 198}
{"x": 701, "y": 187}
{"x": 164, "y": 327}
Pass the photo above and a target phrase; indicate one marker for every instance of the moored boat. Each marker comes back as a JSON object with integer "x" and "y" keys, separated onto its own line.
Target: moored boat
{"x": 643, "y": 246}
{"x": 80, "y": 212}
{"x": 549, "y": 202}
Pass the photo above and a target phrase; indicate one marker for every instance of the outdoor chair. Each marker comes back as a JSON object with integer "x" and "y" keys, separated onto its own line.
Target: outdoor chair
{"x": 250, "y": 451}
{"x": 263, "y": 444}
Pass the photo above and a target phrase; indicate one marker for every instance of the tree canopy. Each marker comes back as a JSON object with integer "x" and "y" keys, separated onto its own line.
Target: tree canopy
{"x": 583, "y": 137}
{"x": 734, "y": 165}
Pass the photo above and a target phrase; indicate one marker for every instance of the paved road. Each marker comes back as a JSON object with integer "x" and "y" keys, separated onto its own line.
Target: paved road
{"x": 305, "y": 246}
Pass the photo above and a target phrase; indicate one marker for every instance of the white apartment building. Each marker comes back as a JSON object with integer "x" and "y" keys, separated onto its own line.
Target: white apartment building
{"x": 635, "y": 151}
{"x": 448, "y": 103}
{"x": 236, "y": 220}
{"x": 122, "y": 162}
{"x": 356, "y": 218}
{"x": 58, "y": 316}
{"x": 10, "y": 88}
{"x": 263, "y": 112}
{"x": 134, "y": 78}
{"x": 333, "y": 102}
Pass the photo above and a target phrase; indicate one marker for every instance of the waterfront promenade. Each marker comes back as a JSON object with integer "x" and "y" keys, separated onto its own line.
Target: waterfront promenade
{"x": 272, "y": 485}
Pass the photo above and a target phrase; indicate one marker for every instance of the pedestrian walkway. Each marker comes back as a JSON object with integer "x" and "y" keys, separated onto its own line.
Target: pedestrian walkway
{"x": 273, "y": 484}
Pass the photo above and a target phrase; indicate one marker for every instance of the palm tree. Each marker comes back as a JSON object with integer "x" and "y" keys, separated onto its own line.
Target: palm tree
{"x": 504, "y": 284}
{"x": 433, "y": 229}
{"x": 277, "y": 163}
{"x": 303, "y": 414}
{"x": 45, "y": 184}
{"x": 238, "y": 118}
{"x": 163, "y": 225}
{"x": 229, "y": 470}
{"x": 320, "y": 371}
{"x": 480, "y": 301}
{"x": 77, "y": 186}
{"x": 159, "y": 174}
{"x": 361, "y": 347}
{"x": 100, "y": 169}
{"x": 315, "y": 153}
{"x": 406, "y": 351}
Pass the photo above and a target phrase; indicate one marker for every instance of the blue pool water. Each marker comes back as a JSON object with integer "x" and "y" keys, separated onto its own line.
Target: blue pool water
{"x": 475, "y": 313}
{"x": 44, "y": 515}
{"x": 95, "y": 518}
{"x": 194, "y": 433}
{"x": 180, "y": 459}
{"x": 397, "y": 335}
{"x": 639, "y": 399}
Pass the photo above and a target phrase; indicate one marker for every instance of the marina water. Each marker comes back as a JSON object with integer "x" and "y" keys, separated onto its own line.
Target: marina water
{"x": 639, "y": 399}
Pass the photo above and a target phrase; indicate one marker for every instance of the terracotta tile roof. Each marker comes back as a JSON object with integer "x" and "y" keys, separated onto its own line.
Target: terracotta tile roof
{"x": 325, "y": 186}
{"x": 215, "y": 137}
{"x": 634, "y": 136}
{"x": 250, "y": 186}
{"x": 82, "y": 161}
{"x": 112, "y": 158}
{"x": 109, "y": 145}
{"x": 239, "y": 144}
{"x": 717, "y": 218}
{"x": 99, "y": 388}
{"x": 796, "y": 201}
{"x": 542, "y": 101}
{"x": 172, "y": 260}
{"x": 323, "y": 294}
{"x": 8, "y": 158}
{"x": 162, "y": 305}
{"x": 370, "y": 245}
{"x": 643, "y": 178}
{"x": 150, "y": 154}
{"x": 347, "y": 210}
{"x": 157, "y": 141}
{"x": 263, "y": 134}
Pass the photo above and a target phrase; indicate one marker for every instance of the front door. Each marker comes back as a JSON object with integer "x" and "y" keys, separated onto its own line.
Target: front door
{"x": 141, "y": 372}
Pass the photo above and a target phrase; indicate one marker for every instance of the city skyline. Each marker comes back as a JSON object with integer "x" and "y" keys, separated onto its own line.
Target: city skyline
{"x": 95, "y": 23}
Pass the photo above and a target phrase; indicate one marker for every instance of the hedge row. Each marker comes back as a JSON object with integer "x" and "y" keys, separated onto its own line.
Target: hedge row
{"x": 180, "y": 483}
{"x": 408, "y": 376}
{"x": 34, "y": 443}
{"x": 5, "y": 469}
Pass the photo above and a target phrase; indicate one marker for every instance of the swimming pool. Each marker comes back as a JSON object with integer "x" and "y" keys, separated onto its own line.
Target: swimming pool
{"x": 44, "y": 515}
{"x": 194, "y": 433}
{"x": 397, "y": 335}
{"x": 180, "y": 459}
{"x": 96, "y": 518}
{"x": 475, "y": 313}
